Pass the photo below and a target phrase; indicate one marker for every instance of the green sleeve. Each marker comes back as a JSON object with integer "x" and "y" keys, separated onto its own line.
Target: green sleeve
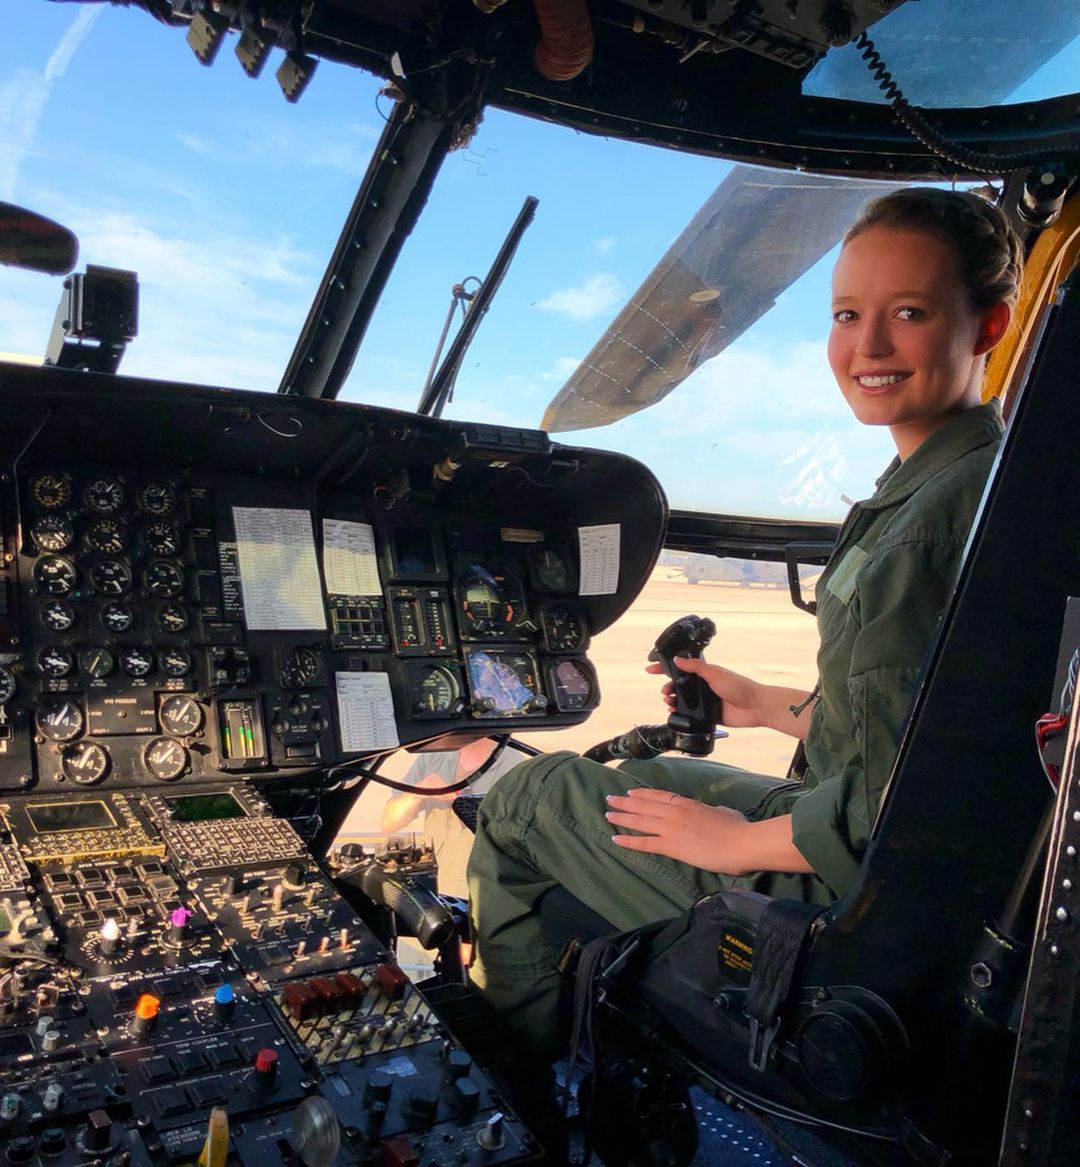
{"x": 899, "y": 596}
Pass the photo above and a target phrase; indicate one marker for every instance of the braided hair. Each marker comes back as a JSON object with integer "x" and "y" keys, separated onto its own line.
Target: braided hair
{"x": 990, "y": 254}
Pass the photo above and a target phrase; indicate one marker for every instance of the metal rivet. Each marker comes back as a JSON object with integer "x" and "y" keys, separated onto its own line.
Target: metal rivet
{"x": 1070, "y": 850}
{"x": 1053, "y": 950}
{"x": 1061, "y": 914}
{"x": 1067, "y": 884}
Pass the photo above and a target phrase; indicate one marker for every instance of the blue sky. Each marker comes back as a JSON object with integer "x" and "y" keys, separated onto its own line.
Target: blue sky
{"x": 227, "y": 201}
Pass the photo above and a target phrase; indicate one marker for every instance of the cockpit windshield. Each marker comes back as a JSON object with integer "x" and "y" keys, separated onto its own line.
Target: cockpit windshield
{"x": 667, "y": 305}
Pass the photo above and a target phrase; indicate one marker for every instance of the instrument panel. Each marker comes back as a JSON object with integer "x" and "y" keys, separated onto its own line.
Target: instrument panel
{"x": 188, "y": 594}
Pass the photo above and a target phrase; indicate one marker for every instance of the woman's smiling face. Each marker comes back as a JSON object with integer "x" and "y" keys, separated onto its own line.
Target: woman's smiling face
{"x": 906, "y": 344}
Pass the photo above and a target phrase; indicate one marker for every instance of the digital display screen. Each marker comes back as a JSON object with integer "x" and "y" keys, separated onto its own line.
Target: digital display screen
{"x": 414, "y": 552}
{"x": 47, "y": 817}
{"x": 205, "y": 808}
{"x": 504, "y": 683}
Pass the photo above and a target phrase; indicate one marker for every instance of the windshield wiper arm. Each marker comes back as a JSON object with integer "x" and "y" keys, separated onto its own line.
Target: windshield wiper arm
{"x": 437, "y": 392}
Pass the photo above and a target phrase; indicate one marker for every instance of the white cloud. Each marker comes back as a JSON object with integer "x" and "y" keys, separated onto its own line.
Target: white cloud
{"x": 603, "y": 246}
{"x": 597, "y": 295}
{"x": 560, "y": 371}
{"x": 24, "y": 94}
{"x": 70, "y": 41}
{"x": 216, "y": 307}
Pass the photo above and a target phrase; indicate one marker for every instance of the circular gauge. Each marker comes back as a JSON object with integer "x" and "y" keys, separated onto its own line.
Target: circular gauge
{"x": 162, "y": 538}
{"x": 163, "y": 579}
{"x": 117, "y": 616}
{"x": 137, "y": 662}
{"x": 58, "y": 616}
{"x": 7, "y": 685}
{"x": 52, "y": 532}
{"x": 55, "y": 662}
{"x": 59, "y": 721}
{"x": 437, "y": 691}
{"x": 85, "y": 763}
{"x": 156, "y": 498}
{"x": 104, "y": 496}
{"x": 489, "y": 600}
{"x": 55, "y": 575}
{"x": 564, "y": 630}
{"x": 573, "y": 684}
{"x": 300, "y": 667}
{"x": 172, "y": 618}
{"x": 50, "y": 491}
{"x": 110, "y": 577}
{"x": 180, "y": 715}
{"x": 504, "y": 684}
{"x": 550, "y": 570}
{"x": 107, "y": 536}
{"x": 96, "y": 662}
{"x": 165, "y": 759}
{"x": 176, "y": 662}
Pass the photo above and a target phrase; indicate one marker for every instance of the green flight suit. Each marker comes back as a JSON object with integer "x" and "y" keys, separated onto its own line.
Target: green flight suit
{"x": 879, "y": 602}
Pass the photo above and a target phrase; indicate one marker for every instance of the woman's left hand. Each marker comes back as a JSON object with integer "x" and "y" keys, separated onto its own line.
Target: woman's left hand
{"x": 709, "y": 837}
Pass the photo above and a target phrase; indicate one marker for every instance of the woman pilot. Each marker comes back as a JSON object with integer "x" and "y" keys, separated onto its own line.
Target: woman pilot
{"x": 922, "y": 291}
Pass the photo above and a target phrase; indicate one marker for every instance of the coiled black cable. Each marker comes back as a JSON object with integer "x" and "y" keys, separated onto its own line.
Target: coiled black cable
{"x": 921, "y": 129}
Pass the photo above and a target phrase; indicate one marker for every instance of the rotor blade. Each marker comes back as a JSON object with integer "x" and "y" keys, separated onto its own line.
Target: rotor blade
{"x": 756, "y": 234}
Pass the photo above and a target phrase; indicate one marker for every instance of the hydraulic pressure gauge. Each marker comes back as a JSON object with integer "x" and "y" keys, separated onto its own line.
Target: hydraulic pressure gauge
{"x": 7, "y": 685}
{"x": 51, "y": 491}
{"x": 165, "y": 759}
{"x": 52, "y": 532}
{"x": 59, "y": 721}
{"x": 85, "y": 763}
{"x": 180, "y": 715}
{"x": 104, "y": 496}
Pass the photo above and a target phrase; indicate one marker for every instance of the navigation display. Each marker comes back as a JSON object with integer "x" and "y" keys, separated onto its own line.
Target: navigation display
{"x": 48, "y": 817}
{"x": 204, "y": 808}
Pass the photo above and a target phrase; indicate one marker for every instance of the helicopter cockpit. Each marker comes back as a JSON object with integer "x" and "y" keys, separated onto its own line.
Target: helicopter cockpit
{"x": 286, "y": 568}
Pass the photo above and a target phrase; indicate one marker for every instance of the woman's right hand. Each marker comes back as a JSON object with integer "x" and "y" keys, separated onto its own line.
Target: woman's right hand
{"x": 741, "y": 696}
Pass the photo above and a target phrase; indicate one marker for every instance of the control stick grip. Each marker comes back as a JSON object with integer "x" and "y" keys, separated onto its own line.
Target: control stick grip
{"x": 697, "y": 708}
{"x": 419, "y": 910}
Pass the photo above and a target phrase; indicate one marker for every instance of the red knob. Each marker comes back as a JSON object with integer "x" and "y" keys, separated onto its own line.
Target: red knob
{"x": 266, "y": 1063}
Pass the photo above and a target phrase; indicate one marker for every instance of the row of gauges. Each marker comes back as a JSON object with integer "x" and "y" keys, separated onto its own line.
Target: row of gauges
{"x": 61, "y": 720}
{"x": 56, "y": 575}
{"x": 97, "y": 663}
{"x": 504, "y": 683}
{"x": 103, "y": 496}
{"x": 87, "y": 763}
{"x": 55, "y": 531}
{"x": 115, "y": 616}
